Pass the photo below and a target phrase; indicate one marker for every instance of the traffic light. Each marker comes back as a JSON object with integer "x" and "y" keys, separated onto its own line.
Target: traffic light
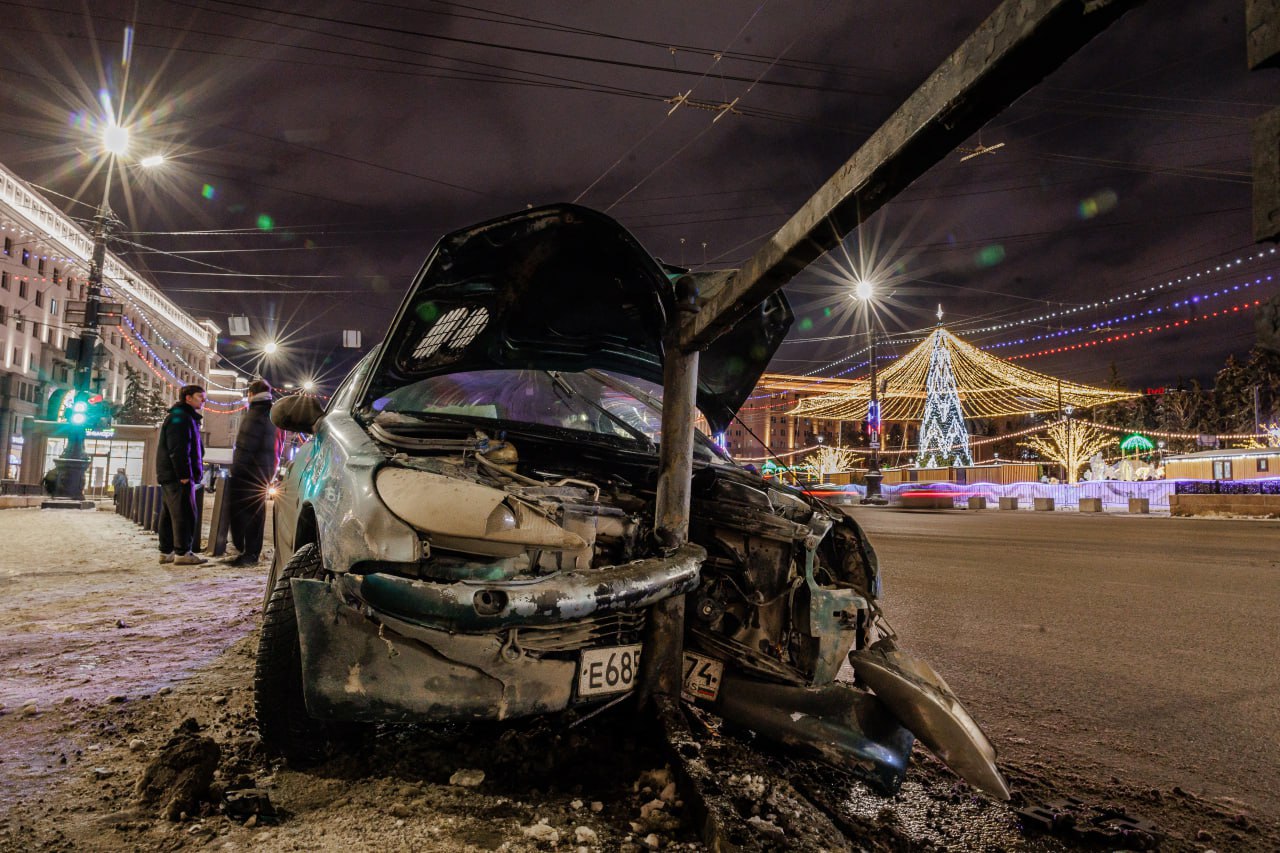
{"x": 82, "y": 409}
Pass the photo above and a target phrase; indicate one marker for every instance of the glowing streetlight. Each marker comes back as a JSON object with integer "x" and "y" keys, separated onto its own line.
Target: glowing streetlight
{"x": 864, "y": 290}
{"x": 270, "y": 348}
{"x": 115, "y": 139}
{"x": 309, "y": 386}
{"x": 152, "y": 161}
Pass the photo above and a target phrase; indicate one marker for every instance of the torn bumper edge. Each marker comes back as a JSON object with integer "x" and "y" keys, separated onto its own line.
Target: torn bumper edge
{"x": 383, "y": 647}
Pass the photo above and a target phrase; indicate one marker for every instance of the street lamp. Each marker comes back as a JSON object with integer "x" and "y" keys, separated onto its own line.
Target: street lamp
{"x": 1071, "y": 450}
{"x": 865, "y": 291}
{"x": 73, "y": 462}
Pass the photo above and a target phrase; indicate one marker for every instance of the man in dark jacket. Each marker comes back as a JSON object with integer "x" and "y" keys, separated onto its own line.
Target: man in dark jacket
{"x": 179, "y": 466}
{"x": 253, "y": 464}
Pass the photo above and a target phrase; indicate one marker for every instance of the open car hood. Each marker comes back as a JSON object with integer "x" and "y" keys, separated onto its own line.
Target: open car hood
{"x": 562, "y": 288}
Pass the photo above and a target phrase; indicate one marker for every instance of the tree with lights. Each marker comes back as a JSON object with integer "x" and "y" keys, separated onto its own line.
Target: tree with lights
{"x": 832, "y": 460}
{"x": 944, "y": 440}
{"x": 1070, "y": 444}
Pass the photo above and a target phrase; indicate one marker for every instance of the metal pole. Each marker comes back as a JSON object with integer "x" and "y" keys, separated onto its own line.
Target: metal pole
{"x": 73, "y": 462}
{"x": 874, "y": 476}
{"x": 664, "y": 649}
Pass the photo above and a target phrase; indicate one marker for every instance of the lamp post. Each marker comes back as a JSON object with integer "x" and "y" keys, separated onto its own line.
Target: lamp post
{"x": 865, "y": 291}
{"x": 1071, "y": 450}
{"x": 72, "y": 464}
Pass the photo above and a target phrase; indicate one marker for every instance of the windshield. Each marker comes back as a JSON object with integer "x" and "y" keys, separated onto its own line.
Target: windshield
{"x": 591, "y": 401}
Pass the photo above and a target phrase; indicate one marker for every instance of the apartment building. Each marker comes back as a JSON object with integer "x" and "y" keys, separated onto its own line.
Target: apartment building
{"x": 44, "y": 267}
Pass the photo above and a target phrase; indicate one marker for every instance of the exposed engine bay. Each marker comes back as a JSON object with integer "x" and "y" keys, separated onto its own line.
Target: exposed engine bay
{"x": 787, "y": 588}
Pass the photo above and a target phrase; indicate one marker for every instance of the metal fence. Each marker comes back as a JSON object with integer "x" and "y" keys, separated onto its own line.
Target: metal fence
{"x": 1269, "y": 486}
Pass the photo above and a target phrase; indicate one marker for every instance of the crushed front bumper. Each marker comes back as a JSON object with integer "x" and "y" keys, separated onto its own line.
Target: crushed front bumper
{"x": 383, "y": 647}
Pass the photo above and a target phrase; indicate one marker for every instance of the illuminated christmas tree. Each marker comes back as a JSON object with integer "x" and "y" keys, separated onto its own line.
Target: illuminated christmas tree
{"x": 944, "y": 440}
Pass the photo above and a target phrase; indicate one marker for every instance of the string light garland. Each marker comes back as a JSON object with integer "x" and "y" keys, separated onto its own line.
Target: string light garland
{"x": 1150, "y": 312}
{"x": 1124, "y": 336}
{"x": 1136, "y": 294}
{"x": 987, "y": 387}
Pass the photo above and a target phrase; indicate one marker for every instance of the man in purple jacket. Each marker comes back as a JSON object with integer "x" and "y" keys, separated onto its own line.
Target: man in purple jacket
{"x": 179, "y": 467}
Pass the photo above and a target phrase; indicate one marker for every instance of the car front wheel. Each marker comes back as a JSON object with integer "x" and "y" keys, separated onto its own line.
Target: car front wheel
{"x": 283, "y": 722}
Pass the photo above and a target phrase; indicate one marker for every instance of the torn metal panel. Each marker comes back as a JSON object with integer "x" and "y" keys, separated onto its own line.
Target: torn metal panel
{"x": 360, "y": 667}
{"x": 919, "y": 697}
{"x": 848, "y": 728}
{"x": 471, "y": 605}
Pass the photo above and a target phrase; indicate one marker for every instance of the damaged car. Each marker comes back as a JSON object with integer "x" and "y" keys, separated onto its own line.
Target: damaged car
{"x": 469, "y": 532}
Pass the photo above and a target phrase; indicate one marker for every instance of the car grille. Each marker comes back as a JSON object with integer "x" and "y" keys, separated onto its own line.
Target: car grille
{"x": 610, "y": 629}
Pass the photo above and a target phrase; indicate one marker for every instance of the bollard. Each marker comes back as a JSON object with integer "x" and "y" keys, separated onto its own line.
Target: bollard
{"x": 1091, "y": 504}
{"x": 1008, "y": 503}
{"x": 977, "y": 502}
{"x": 197, "y": 542}
{"x": 144, "y": 507}
{"x": 1043, "y": 504}
{"x": 220, "y": 521}
{"x": 1140, "y": 506}
{"x": 157, "y": 500}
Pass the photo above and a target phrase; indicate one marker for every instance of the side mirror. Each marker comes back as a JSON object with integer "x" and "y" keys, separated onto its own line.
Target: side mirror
{"x": 297, "y": 413}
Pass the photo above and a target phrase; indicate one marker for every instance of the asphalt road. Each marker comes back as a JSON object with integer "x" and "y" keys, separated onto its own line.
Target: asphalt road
{"x": 1139, "y": 649}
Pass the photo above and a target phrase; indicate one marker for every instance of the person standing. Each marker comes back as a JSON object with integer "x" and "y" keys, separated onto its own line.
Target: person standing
{"x": 253, "y": 464}
{"x": 179, "y": 466}
{"x": 119, "y": 483}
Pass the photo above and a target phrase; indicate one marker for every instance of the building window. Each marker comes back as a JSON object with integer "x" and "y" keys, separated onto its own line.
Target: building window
{"x": 22, "y": 289}
{"x": 53, "y": 307}
{"x": 39, "y": 298}
{"x": 8, "y": 246}
{"x": 4, "y": 279}
{"x": 57, "y": 276}
{"x": 40, "y": 266}
{"x": 1, "y": 315}
{"x": 1263, "y": 465}
{"x": 31, "y": 361}
{"x": 1222, "y": 469}
{"x": 26, "y": 258}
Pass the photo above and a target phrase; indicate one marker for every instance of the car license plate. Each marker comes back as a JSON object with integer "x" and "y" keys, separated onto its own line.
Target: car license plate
{"x": 702, "y": 676}
{"x": 610, "y": 670}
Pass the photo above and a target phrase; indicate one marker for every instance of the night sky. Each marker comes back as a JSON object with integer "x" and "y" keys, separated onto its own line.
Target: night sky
{"x": 318, "y": 150}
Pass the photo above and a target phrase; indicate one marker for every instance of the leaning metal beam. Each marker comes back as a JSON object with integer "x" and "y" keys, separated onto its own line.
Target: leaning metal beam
{"x": 1021, "y": 43}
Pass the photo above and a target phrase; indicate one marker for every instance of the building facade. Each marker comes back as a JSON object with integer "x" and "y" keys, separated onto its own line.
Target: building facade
{"x": 44, "y": 268}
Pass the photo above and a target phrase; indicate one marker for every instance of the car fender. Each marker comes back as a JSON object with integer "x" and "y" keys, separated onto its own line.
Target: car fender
{"x": 336, "y": 481}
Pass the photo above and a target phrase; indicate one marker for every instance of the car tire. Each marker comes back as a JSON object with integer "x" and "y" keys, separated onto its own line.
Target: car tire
{"x": 283, "y": 722}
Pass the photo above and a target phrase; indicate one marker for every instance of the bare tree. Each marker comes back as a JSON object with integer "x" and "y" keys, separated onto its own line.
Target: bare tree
{"x": 832, "y": 460}
{"x": 1070, "y": 444}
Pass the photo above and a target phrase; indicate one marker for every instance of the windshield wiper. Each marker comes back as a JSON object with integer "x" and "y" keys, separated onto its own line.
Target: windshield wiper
{"x": 635, "y": 433}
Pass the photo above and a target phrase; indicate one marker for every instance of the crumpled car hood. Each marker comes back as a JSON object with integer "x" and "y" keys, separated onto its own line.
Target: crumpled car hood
{"x": 562, "y": 288}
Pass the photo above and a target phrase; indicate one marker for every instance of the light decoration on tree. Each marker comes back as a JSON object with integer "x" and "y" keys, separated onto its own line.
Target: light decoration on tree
{"x": 1070, "y": 444}
{"x": 987, "y": 387}
{"x": 944, "y": 440}
{"x": 832, "y": 460}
